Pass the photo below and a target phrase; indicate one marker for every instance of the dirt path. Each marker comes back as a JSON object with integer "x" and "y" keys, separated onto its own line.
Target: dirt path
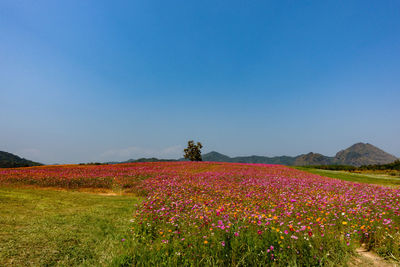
{"x": 369, "y": 258}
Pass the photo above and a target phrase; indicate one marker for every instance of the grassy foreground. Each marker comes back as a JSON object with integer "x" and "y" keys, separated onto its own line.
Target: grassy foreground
{"x": 355, "y": 177}
{"x": 46, "y": 227}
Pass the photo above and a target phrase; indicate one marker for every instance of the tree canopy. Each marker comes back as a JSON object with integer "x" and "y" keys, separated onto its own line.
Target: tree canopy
{"x": 193, "y": 151}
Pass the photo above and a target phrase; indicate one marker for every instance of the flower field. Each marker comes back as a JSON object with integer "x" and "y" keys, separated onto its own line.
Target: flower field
{"x": 237, "y": 214}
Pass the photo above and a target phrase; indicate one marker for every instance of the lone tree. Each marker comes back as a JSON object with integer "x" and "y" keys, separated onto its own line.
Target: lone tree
{"x": 193, "y": 152}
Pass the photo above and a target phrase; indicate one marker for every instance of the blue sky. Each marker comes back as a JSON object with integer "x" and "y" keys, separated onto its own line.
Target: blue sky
{"x": 110, "y": 80}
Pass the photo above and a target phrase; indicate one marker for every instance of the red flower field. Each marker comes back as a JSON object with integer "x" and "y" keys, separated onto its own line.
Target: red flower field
{"x": 223, "y": 213}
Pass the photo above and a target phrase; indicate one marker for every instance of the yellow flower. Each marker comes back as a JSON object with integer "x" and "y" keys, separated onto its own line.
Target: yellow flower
{"x": 205, "y": 242}
{"x": 344, "y": 223}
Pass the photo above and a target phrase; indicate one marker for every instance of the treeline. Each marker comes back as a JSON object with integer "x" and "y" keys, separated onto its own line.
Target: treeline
{"x": 391, "y": 166}
{"x": 333, "y": 167}
{"x": 129, "y": 161}
{"x": 94, "y": 163}
{"x": 375, "y": 167}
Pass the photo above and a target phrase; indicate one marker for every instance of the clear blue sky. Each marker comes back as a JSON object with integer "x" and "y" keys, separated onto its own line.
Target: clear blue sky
{"x": 110, "y": 80}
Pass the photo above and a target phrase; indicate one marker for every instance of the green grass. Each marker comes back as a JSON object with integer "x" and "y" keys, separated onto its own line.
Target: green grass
{"x": 47, "y": 228}
{"x": 355, "y": 177}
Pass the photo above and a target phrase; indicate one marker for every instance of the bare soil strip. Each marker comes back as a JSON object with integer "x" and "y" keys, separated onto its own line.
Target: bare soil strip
{"x": 370, "y": 258}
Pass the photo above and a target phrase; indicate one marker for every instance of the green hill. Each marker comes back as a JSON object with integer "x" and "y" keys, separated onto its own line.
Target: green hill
{"x": 8, "y": 160}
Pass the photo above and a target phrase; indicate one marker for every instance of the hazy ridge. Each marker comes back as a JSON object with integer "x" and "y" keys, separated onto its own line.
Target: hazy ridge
{"x": 356, "y": 155}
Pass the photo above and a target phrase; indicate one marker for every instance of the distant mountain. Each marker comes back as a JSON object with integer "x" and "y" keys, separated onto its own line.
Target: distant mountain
{"x": 8, "y": 160}
{"x": 363, "y": 154}
{"x": 215, "y": 156}
{"x": 312, "y": 159}
{"x": 356, "y": 155}
{"x": 218, "y": 157}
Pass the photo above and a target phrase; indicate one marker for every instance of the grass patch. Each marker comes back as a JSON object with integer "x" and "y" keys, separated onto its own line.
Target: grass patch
{"x": 46, "y": 227}
{"x": 354, "y": 177}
